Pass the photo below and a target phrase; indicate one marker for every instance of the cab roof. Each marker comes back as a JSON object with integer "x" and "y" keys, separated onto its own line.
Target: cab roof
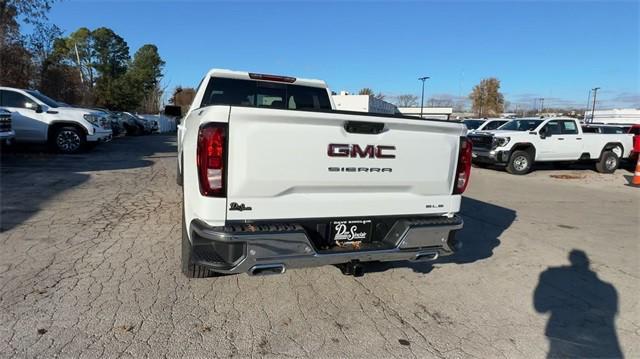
{"x": 245, "y": 75}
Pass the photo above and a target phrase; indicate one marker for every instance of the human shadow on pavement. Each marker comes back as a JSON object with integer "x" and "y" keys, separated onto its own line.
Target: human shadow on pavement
{"x": 30, "y": 175}
{"x": 484, "y": 223}
{"x": 582, "y": 311}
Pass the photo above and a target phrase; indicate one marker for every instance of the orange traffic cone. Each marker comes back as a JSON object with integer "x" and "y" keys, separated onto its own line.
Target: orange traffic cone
{"x": 636, "y": 175}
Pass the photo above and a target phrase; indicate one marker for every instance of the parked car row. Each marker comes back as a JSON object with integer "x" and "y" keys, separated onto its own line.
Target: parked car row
{"x": 28, "y": 116}
{"x": 128, "y": 123}
{"x": 519, "y": 143}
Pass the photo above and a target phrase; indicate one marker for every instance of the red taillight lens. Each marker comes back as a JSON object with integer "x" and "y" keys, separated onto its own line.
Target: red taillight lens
{"x": 211, "y": 159}
{"x": 464, "y": 166}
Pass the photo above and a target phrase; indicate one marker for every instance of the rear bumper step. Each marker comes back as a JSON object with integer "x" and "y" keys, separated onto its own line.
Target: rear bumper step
{"x": 273, "y": 248}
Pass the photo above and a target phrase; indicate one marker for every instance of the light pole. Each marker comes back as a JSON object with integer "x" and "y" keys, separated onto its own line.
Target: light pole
{"x": 423, "y": 79}
{"x": 593, "y": 109}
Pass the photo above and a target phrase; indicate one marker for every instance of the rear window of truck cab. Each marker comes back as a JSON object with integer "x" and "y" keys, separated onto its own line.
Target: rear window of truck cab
{"x": 236, "y": 92}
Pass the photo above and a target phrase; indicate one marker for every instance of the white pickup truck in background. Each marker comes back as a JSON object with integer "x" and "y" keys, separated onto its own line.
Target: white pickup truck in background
{"x": 274, "y": 178}
{"x": 522, "y": 142}
{"x": 484, "y": 124}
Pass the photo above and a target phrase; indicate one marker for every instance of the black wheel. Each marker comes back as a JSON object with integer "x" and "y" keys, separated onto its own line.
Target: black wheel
{"x": 69, "y": 139}
{"x": 132, "y": 130}
{"x": 608, "y": 162}
{"x": 189, "y": 269}
{"x": 179, "y": 174}
{"x": 519, "y": 163}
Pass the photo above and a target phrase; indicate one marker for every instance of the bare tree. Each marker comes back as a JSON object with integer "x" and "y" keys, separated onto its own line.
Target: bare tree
{"x": 407, "y": 100}
{"x": 152, "y": 101}
{"x": 41, "y": 45}
{"x": 183, "y": 97}
{"x": 365, "y": 91}
{"x": 381, "y": 96}
{"x": 486, "y": 97}
{"x": 440, "y": 102}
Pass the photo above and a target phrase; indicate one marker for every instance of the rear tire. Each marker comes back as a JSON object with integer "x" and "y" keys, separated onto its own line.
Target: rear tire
{"x": 179, "y": 176}
{"x": 608, "y": 162}
{"x": 189, "y": 269}
{"x": 520, "y": 163}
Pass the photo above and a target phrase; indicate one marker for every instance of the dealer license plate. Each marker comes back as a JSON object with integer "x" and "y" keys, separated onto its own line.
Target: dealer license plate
{"x": 351, "y": 230}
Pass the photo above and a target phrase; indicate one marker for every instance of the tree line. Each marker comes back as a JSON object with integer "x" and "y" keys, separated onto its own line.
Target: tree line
{"x": 88, "y": 67}
{"x": 486, "y": 99}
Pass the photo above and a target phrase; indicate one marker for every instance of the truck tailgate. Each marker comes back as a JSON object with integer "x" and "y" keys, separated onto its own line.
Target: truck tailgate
{"x": 285, "y": 164}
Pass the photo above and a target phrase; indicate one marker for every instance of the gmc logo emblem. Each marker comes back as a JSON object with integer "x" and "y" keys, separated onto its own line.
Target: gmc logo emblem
{"x": 353, "y": 151}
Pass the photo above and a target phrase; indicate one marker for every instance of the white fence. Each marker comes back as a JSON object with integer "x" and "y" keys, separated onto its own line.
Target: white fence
{"x": 165, "y": 124}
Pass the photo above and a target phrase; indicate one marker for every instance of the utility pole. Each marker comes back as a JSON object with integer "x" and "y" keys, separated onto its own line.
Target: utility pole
{"x": 593, "y": 109}
{"x": 587, "y": 108}
{"x": 541, "y": 104}
{"x": 423, "y": 79}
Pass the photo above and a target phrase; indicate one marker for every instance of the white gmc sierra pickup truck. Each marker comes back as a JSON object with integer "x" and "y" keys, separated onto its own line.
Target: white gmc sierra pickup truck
{"x": 521, "y": 142}
{"x": 274, "y": 178}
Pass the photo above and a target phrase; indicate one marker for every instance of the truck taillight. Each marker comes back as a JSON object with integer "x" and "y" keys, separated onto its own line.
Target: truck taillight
{"x": 464, "y": 166}
{"x": 211, "y": 159}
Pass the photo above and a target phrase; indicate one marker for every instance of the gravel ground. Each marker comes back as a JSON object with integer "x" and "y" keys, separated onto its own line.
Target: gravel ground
{"x": 89, "y": 267}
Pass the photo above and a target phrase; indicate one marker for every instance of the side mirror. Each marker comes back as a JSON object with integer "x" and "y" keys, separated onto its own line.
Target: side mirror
{"x": 543, "y": 133}
{"x": 173, "y": 111}
{"x": 33, "y": 106}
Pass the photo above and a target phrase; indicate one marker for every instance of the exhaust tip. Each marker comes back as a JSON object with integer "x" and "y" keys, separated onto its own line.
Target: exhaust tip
{"x": 426, "y": 256}
{"x": 267, "y": 269}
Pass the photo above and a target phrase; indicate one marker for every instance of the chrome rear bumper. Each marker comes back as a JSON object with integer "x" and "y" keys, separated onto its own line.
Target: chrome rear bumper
{"x": 273, "y": 248}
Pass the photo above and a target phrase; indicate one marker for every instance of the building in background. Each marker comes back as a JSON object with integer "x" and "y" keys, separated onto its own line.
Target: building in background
{"x": 621, "y": 116}
{"x": 436, "y": 113}
{"x": 362, "y": 103}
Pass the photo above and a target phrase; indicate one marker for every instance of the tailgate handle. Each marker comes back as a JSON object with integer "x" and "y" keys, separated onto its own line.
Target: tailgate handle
{"x": 365, "y": 128}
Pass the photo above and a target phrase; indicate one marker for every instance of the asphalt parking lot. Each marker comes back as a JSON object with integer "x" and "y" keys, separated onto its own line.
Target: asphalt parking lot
{"x": 89, "y": 266}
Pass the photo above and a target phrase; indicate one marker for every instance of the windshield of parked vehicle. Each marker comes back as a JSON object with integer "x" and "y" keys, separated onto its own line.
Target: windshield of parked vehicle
{"x": 520, "y": 125}
{"x": 235, "y": 92}
{"x": 47, "y": 101}
{"x": 473, "y": 124}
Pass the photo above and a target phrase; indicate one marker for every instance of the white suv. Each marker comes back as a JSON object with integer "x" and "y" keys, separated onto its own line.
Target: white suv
{"x": 37, "y": 118}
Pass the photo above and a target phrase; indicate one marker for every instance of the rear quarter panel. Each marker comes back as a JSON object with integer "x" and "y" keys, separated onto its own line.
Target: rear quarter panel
{"x": 595, "y": 142}
{"x": 208, "y": 209}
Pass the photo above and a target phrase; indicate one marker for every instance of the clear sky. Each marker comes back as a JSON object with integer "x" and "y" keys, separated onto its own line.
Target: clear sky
{"x": 555, "y": 50}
